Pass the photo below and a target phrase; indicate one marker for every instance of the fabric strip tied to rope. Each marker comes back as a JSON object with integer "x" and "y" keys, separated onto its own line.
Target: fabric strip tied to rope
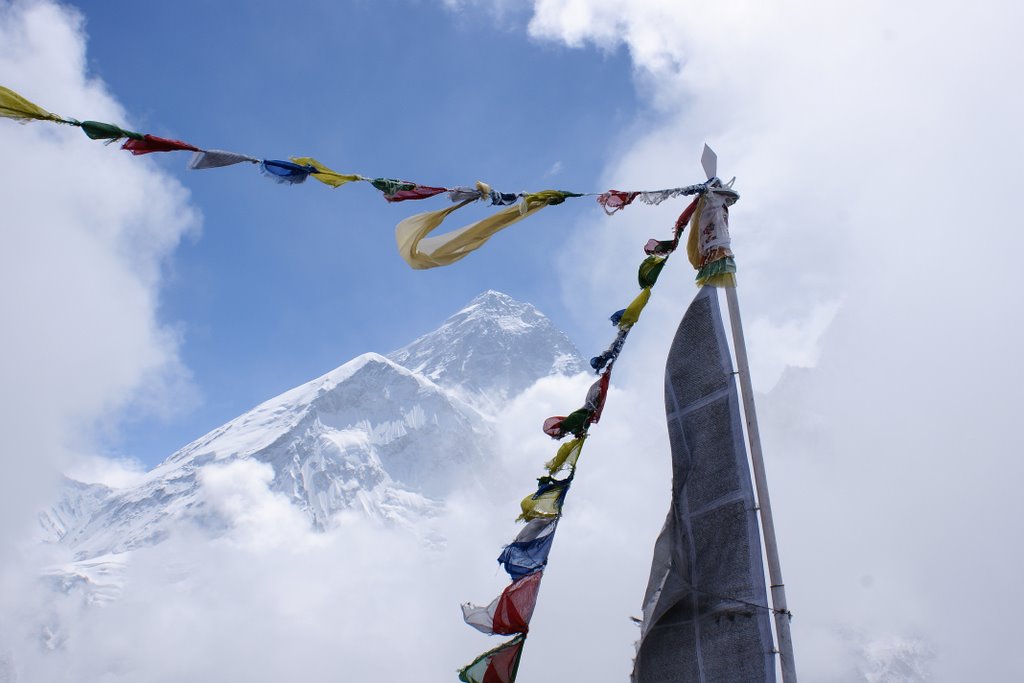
{"x": 326, "y": 175}
{"x": 14, "y": 106}
{"x": 218, "y": 158}
{"x": 422, "y": 252}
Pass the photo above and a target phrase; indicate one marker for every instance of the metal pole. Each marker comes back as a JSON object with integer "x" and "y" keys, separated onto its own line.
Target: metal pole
{"x": 778, "y": 589}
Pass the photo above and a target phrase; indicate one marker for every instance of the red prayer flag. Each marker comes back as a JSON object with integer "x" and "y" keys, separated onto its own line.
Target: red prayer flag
{"x": 515, "y": 606}
{"x": 503, "y": 665}
{"x": 495, "y": 666}
{"x": 616, "y": 200}
{"x": 596, "y": 396}
{"x": 151, "y": 143}
{"x": 418, "y": 192}
{"x": 685, "y": 217}
{"x": 553, "y": 426}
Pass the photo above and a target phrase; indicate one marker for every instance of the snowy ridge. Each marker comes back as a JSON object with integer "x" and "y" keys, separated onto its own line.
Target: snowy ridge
{"x": 76, "y": 503}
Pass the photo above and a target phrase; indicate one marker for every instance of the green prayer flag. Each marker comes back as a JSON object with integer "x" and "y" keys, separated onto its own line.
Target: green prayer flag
{"x": 97, "y": 130}
{"x": 650, "y": 269}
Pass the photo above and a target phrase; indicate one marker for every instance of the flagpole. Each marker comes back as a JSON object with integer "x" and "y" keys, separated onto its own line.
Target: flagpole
{"x": 778, "y": 588}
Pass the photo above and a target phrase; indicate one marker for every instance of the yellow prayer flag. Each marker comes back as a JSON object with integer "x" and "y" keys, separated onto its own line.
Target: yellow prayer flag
{"x": 567, "y": 455}
{"x": 326, "y": 175}
{"x": 693, "y": 239}
{"x": 14, "y": 106}
{"x": 545, "y": 506}
{"x": 422, "y": 252}
{"x": 632, "y": 312}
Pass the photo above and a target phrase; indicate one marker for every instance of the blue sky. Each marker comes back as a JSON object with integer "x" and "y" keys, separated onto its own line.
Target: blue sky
{"x": 285, "y": 283}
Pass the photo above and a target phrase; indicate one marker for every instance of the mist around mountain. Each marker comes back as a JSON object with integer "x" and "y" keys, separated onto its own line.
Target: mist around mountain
{"x": 331, "y": 531}
{"x": 386, "y": 437}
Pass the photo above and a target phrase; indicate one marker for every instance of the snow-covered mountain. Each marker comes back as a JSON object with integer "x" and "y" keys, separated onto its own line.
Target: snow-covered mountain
{"x": 384, "y": 436}
{"x": 494, "y": 348}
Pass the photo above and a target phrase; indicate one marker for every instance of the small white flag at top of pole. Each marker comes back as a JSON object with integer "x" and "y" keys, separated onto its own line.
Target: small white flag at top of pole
{"x": 709, "y": 160}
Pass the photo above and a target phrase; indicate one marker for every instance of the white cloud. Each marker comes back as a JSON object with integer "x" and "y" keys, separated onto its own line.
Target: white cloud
{"x": 112, "y": 472}
{"x": 79, "y": 268}
{"x": 258, "y": 519}
{"x": 866, "y": 137}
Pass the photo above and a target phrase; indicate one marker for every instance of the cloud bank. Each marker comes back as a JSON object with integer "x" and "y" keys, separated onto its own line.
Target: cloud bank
{"x": 80, "y": 271}
{"x": 864, "y": 136}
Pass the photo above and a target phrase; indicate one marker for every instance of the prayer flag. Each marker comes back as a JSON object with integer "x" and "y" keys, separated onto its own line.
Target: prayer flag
{"x": 499, "y": 665}
{"x": 391, "y": 186}
{"x": 567, "y": 455}
{"x": 97, "y": 130}
{"x": 574, "y": 423}
{"x": 285, "y": 172}
{"x": 596, "y": 396}
{"x": 326, "y": 175}
{"x": 418, "y": 192}
{"x": 708, "y": 245}
{"x": 14, "y": 106}
{"x": 650, "y": 269}
{"x": 421, "y": 251}
{"x": 546, "y": 503}
{"x": 615, "y": 200}
{"x": 632, "y": 313}
{"x": 218, "y": 158}
{"x": 705, "y": 614}
{"x": 529, "y": 551}
{"x": 151, "y": 143}
{"x": 508, "y": 613}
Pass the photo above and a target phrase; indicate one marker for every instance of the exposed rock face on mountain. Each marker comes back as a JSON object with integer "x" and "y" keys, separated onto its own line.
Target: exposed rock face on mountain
{"x": 384, "y": 436}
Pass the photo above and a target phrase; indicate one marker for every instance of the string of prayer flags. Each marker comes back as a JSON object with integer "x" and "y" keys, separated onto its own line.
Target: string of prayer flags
{"x": 526, "y": 557}
{"x": 419, "y": 249}
{"x": 708, "y": 249}
{"x": 510, "y": 612}
{"x": 499, "y": 665}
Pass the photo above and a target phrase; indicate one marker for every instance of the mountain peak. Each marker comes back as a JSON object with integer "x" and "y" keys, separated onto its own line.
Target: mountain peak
{"x": 388, "y": 435}
{"x": 495, "y": 346}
